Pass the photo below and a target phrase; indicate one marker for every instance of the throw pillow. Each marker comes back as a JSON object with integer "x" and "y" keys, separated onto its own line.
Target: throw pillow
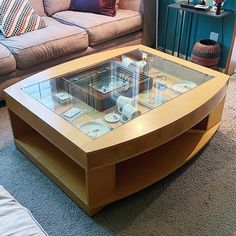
{"x": 54, "y": 6}
{"x": 104, "y": 7}
{"x": 18, "y": 17}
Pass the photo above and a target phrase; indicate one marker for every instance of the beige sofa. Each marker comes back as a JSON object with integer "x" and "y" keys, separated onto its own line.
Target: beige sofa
{"x": 70, "y": 34}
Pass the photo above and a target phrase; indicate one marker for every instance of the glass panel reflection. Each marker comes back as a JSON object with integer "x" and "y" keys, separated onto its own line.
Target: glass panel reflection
{"x": 104, "y": 96}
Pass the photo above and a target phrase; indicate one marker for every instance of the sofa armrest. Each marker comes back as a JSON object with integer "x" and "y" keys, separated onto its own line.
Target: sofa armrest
{"x": 148, "y": 9}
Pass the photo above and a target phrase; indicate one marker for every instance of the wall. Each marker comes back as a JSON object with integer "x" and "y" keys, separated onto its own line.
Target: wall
{"x": 205, "y": 26}
{"x": 232, "y": 57}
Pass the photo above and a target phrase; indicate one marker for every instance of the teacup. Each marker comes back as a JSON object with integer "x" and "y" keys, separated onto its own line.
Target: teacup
{"x": 129, "y": 112}
{"x": 127, "y": 61}
{"x": 122, "y": 101}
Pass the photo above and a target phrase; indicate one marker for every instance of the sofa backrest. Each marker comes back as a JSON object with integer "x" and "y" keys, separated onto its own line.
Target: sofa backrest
{"x": 50, "y": 7}
{"x": 38, "y": 7}
{"x": 54, "y": 6}
{"x": 135, "y": 5}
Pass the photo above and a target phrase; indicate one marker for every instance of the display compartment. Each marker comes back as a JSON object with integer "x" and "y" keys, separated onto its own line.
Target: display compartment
{"x": 100, "y": 86}
{"x": 103, "y": 96}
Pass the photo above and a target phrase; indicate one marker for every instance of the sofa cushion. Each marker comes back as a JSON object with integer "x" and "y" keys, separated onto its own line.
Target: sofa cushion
{"x": 7, "y": 61}
{"x": 102, "y": 28}
{"x": 135, "y": 5}
{"x": 104, "y": 7}
{"x": 117, "y": 4}
{"x": 54, "y": 41}
{"x": 18, "y": 17}
{"x": 54, "y": 6}
{"x": 38, "y": 7}
{"x": 16, "y": 219}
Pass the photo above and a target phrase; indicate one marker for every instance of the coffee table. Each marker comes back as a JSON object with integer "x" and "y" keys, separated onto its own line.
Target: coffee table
{"x": 66, "y": 120}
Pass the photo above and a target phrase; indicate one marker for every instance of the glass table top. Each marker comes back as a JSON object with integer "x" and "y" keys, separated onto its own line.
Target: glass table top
{"x": 107, "y": 95}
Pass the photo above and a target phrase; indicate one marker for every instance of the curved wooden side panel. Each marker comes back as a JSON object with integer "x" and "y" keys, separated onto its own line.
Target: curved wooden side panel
{"x": 144, "y": 170}
{"x": 138, "y": 173}
{"x": 96, "y": 188}
{"x": 131, "y": 148}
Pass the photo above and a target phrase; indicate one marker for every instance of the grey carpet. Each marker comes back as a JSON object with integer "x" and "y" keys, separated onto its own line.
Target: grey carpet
{"x": 198, "y": 199}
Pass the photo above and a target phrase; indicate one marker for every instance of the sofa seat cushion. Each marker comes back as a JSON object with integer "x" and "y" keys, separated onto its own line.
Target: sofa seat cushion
{"x": 7, "y": 61}
{"x": 16, "y": 219}
{"x": 102, "y": 28}
{"x": 54, "y": 41}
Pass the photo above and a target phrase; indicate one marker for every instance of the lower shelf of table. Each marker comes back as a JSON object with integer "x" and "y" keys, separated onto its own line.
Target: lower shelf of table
{"x": 55, "y": 164}
{"x": 130, "y": 176}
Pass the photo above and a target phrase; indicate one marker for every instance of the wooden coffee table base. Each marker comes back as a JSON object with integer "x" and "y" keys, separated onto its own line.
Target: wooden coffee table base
{"x": 132, "y": 156}
{"x": 96, "y": 188}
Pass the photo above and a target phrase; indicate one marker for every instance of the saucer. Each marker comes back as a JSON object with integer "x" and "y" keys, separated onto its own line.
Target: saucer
{"x": 183, "y": 87}
{"x": 112, "y": 118}
{"x": 94, "y": 128}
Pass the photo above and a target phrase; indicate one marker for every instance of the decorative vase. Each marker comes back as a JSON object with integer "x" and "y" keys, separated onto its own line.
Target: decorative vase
{"x": 218, "y": 6}
{"x": 206, "y": 53}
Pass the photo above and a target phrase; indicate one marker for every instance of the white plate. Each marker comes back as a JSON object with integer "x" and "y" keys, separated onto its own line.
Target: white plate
{"x": 94, "y": 128}
{"x": 112, "y": 118}
{"x": 184, "y": 86}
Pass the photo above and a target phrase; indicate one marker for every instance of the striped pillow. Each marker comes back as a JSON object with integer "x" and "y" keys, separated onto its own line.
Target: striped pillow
{"x": 18, "y": 17}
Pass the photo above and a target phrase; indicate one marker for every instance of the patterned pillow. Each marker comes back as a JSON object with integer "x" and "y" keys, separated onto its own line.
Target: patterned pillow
{"x": 18, "y": 17}
{"x": 104, "y": 7}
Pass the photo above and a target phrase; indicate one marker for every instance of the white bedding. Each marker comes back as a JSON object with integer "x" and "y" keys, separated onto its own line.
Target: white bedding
{"x": 16, "y": 220}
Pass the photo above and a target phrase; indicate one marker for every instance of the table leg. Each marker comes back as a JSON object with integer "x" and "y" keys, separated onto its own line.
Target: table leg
{"x": 176, "y": 20}
{"x": 166, "y": 26}
{"x": 100, "y": 183}
{"x": 181, "y": 32}
{"x": 189, "y": 35}
{"x": 222, "y": 31}
{"x": 157, "y": 23}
